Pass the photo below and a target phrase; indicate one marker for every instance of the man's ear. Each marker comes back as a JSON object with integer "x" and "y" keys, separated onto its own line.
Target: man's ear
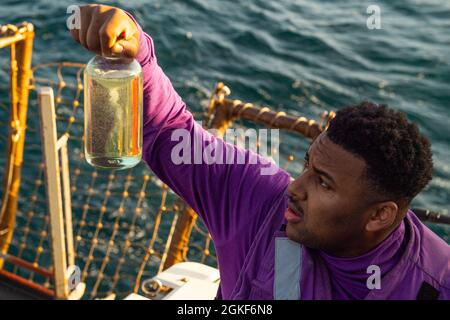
{"x": 383, "y": 216}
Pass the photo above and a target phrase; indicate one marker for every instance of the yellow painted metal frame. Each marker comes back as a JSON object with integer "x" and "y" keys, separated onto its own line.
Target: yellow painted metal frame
{"x": 20, "y": 40}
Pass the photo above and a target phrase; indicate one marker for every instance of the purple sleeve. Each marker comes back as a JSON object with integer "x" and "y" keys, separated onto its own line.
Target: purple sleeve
{"x": 231, "y": 199}
{"x": 444, "y": 294}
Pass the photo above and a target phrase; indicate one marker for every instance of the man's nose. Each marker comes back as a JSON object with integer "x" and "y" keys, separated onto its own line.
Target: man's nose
{"x": 297, "y": 188}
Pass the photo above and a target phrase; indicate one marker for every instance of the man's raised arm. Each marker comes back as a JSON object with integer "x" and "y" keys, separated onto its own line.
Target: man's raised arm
{"x": 231, "y": 199}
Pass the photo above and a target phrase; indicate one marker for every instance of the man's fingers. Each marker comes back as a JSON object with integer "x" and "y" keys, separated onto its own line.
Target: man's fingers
{"x": 128, "y": 43}
{"x": 118, "y": 40}
{"x": 85, "y": 22}
{"x": 107, "y": 31}
{"x": 92, "y": 38}
{"x": 105, "y": 36}
{"x": 109, "y": 35}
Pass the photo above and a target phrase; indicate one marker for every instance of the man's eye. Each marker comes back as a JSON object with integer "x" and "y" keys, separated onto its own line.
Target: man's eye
{"x": 323, "y": 184}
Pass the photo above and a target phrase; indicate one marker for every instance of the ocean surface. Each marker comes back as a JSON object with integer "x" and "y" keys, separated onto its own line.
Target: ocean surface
{"x": 299, "y": 56}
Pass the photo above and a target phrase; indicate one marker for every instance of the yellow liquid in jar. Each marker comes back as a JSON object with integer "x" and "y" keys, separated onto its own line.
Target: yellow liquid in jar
{"x": 113, "y": 120}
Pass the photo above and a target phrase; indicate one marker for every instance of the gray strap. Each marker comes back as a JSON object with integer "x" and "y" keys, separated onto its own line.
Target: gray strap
{"x": 288, "y": 263}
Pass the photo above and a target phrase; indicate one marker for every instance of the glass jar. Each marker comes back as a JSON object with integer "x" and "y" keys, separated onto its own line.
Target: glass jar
{"x": 113, "y": 112}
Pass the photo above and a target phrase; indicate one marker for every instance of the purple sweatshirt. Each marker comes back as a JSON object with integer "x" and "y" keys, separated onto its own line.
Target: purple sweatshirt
{"x": 244, "y": 213}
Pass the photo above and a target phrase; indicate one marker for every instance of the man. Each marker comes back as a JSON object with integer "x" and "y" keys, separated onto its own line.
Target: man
{"x": 341, "y": 230}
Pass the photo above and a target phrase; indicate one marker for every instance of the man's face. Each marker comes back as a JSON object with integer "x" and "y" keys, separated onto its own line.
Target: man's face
{"x": 329, "y": 199}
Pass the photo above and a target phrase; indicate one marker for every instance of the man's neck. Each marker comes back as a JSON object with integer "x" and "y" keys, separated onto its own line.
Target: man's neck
{"x": 363, "y": 246}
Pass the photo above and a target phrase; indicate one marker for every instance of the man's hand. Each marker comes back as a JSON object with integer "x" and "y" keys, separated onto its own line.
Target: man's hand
{"x": 107, "y": 31}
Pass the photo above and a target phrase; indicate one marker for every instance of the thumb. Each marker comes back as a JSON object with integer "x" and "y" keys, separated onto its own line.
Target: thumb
{"x": 117, "y": 49}
{"x": 127, "y": 48}
{"x": 126, "y": 44}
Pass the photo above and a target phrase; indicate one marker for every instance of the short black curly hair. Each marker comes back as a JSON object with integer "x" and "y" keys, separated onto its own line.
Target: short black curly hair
{"x": 398, "y": 158}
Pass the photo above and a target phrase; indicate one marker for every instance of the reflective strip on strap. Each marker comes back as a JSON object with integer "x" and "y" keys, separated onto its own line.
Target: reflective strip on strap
{"x": 288, "y": 255}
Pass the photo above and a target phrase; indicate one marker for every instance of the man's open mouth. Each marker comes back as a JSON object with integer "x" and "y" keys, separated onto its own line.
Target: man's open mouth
{"x": 298, "y": 211}
{"x": 293, "y": 213}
